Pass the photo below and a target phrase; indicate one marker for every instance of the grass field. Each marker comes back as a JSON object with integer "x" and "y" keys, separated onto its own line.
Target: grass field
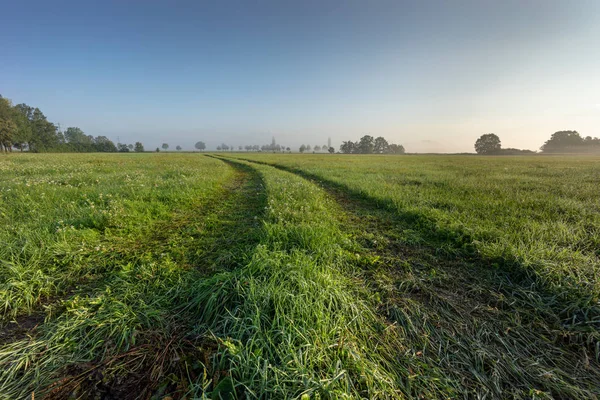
{"x": 299, "y": 276}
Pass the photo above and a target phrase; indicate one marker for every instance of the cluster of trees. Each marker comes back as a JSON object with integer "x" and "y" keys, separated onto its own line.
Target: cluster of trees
{"x": 316, "y": 149}
{"x": 559, "y": 142}
{"x": 126, "y": 148}
{"x": 224, "y": 147}
{"x": 570, "y": 142}
{"x": 369, "y": 145}
{"x": 24, "y": 127}
{"x": 489, "y": 144}
{"x": 165, "y": 147}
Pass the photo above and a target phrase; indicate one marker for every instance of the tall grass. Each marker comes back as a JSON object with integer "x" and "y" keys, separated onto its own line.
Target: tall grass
{"x": 71, "y": 218}
{"x": 254, "y": 282}
{"x": 293, "y": 322}
{"x": 470, "y": 326}
{"x": 537, "y": 217}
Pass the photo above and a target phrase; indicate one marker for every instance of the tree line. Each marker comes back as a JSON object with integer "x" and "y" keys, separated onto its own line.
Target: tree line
{"x": 559, "y": 142}
{"x": 23, "y": 127}
{"x": 369, "y": 145}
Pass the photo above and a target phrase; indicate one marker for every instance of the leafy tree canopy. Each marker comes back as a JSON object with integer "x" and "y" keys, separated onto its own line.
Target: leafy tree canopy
{"x": 488, "y": 144}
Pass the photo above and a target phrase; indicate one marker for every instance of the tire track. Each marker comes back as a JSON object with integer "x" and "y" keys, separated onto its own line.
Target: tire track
{"x": 481, "y": 332}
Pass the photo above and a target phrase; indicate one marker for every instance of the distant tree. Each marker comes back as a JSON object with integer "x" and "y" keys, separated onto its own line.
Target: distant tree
{"x": 219, "y": 148}
{"x": 288, "y": 149}
{"x": 130, "y": 146}
{"x": 45, "y": 134}
{"x": 224, "y": 147}
{"x": 20, "y": 116}
{"x": 240, "y": 148}
{"x": 104, "y": 144}
{"x": 139, "y": 147}
{"x": 178, "y": 148}
{"x": 396, "y": 149}
{"x": 200, "y": 146}
{"x": 157, "y": 150}
{"x": 366, "y": 144}
{"x": 255, "y": 147}
{"x": 165, "y": 146}
{"x": 8, "y": 130}
{"x": 122, "y": 148}
{"x": 331, "y": 150}
{"x": 380, "y": 145}
{"x": 348, "y": 147}
{"x": 325, "y": 147}
{"x": 563, "y": 141}
{"x": 77, "y": 140}
{"x": 317, "y": 148}
{"x": 488, "y": 144}
{"x": 302, "y": 148}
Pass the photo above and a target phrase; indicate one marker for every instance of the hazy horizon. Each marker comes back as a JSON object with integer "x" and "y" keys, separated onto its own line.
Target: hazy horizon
{"x": 432, "y": 76}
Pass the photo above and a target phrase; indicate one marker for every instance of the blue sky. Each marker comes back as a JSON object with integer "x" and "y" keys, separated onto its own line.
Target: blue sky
{"x": 430, "y": 75}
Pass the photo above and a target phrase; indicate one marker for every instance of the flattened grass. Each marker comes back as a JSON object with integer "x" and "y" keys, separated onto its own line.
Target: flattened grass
{"x": 71, "y": 218}
{"x": 268, "y": 285}
{"x": 537, "y": 217}
{"x": 122, "y": 334}
{"x": 470, "y": 325}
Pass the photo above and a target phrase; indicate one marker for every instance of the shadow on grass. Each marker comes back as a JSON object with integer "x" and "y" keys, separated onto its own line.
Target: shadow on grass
{"x": 573, "y": 305}
{"x": 473, "y": 327}
{"x": 169, "y": 354}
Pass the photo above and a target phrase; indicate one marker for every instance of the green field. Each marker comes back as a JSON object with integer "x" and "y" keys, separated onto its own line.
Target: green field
{"x": 158, "y": 276}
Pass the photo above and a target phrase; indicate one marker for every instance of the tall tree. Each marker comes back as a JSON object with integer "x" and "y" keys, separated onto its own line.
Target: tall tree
{"x": 165, "y": 146}
{"x": 77, "y": 140}
{"x": 366, "y": 144}
{"x": 396, "y": 149}
{"x": 348, "y": 147}
{"x": 8, "y": 130}
{"x": 380, "y": 145}
{"x": 563, "y": 141}
{"x": 178, "y": 148}
{"x": 200, "y": 146}
{"x": 488, "y": 144}
{"x": 139, "y": 147}
{"x": 104, "y": 144}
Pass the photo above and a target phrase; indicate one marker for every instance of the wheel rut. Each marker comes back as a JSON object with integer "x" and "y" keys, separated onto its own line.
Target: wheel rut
{"x": 469, "y": 325}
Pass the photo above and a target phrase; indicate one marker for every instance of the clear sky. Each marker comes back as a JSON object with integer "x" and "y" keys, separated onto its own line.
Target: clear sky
{"x": 432, "y": 75}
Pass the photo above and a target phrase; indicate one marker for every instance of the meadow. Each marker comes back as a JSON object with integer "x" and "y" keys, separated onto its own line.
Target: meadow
{"x": 238, "y": 275}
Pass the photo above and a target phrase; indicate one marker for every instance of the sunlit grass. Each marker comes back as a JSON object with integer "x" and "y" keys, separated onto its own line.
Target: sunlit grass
{"x": 348, "y": 277}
